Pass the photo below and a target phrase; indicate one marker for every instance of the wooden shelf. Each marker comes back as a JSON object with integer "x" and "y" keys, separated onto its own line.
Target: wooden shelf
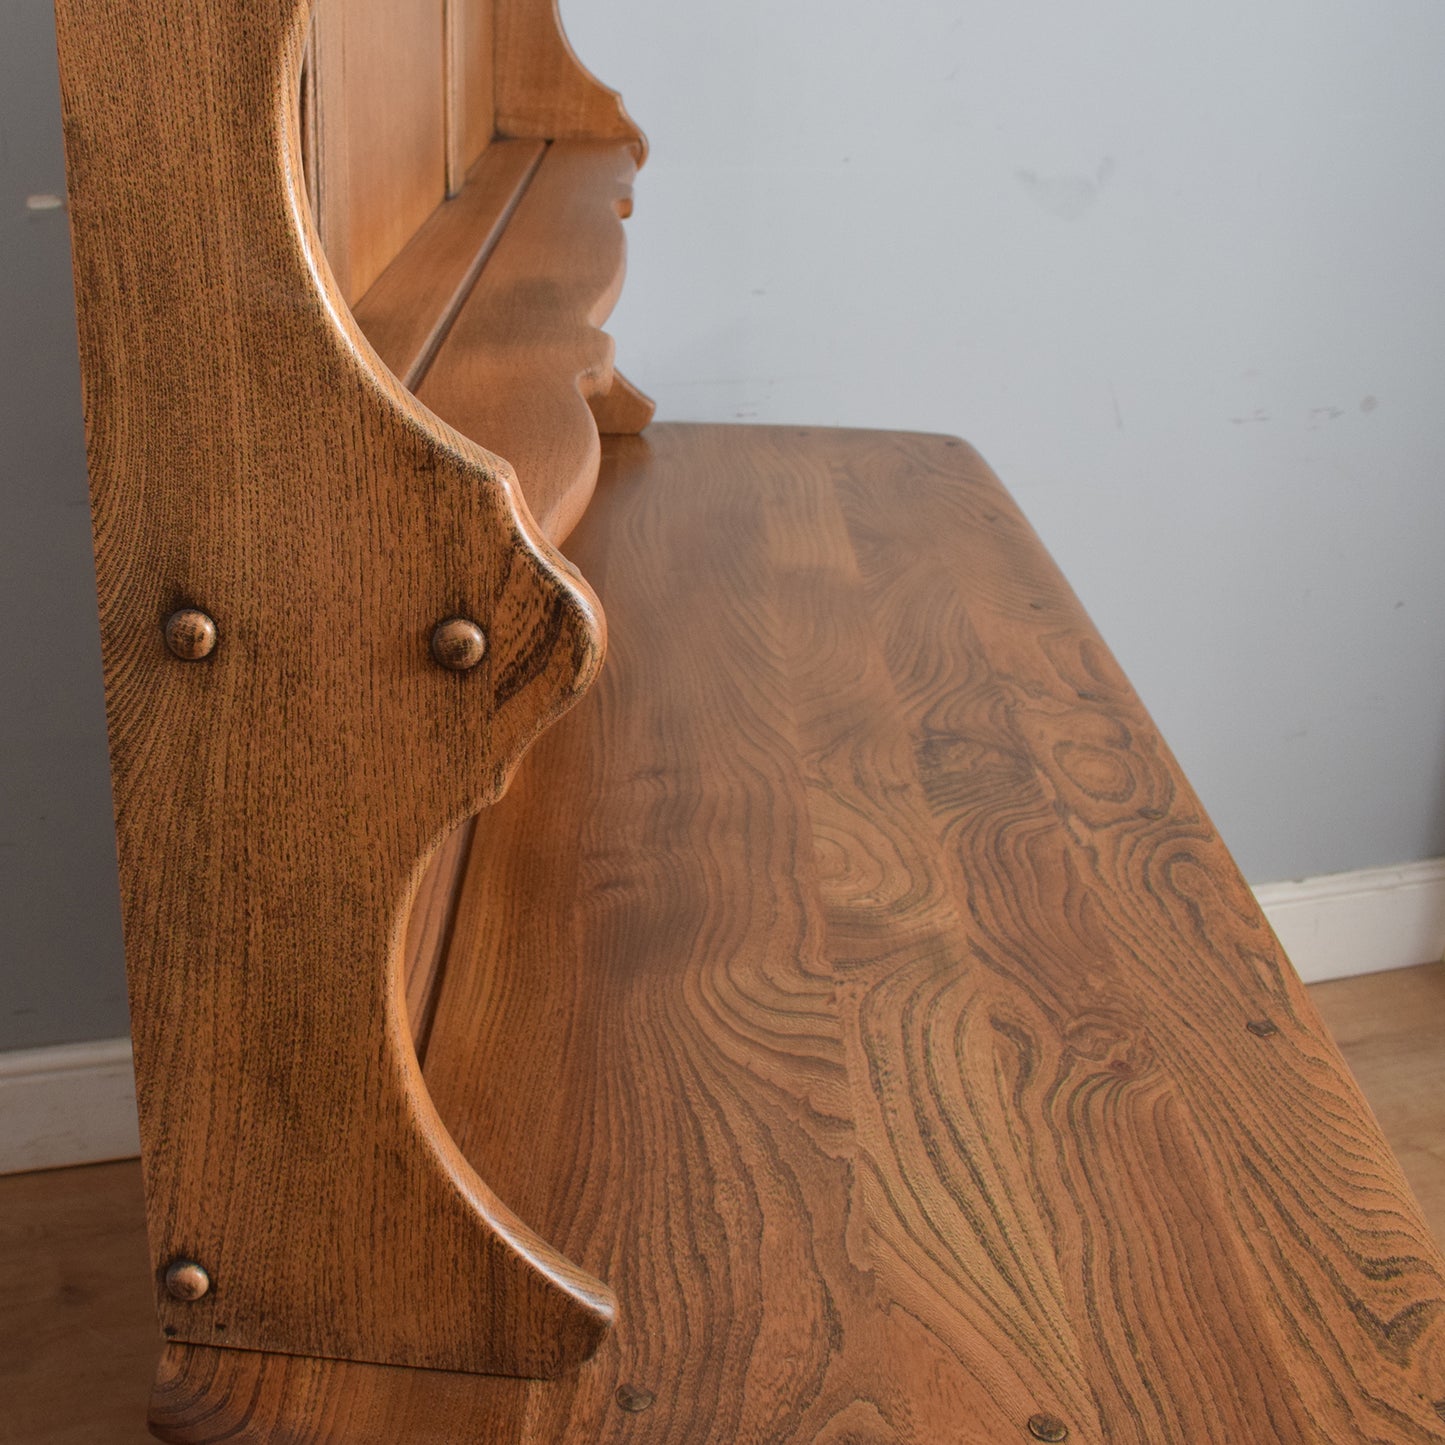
{"x": 491, "y": 313}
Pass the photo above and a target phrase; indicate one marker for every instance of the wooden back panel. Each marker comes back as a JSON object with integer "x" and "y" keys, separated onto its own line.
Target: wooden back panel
{"x": 404, "y": 97}
{"x": 403, "y": 106}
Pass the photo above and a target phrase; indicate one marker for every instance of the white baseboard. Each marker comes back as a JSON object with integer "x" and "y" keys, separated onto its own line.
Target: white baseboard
{"x": 70, "y": 1104}
{"x": 1363, "y": 922}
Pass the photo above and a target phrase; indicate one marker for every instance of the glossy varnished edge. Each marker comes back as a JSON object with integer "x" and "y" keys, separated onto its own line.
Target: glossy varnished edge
{"x": 544, "y": 1314}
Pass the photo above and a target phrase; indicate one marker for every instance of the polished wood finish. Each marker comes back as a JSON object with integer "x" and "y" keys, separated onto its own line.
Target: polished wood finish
{"x": 74, "y": 1303}
{"x": 78, "y": 1334}
{"x": 543, "y": 89}
{"x": 1390, "y": 1027}
{"x": 276, "y": 806}
{"x": 415, "y": 300}
{"x": 381, "y": 117}
{"x": 872, "y": 997}
{"x": 520, "y": 373}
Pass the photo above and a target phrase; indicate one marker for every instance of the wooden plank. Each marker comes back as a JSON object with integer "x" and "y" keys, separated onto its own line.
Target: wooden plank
{"x": 543, "y": 89}
{"x": 525, "y": 351}
{"x": 75, "y": 1305}
{"x": 413, "y": 303}
{"x": 471, "y": 99}
{"x": 428, "y": 931}
{"x": 381, "y": 110}
{"x": 875, "y": 1001}
{"x": 275, "y": 799}
{"x": 245, "y": 1397}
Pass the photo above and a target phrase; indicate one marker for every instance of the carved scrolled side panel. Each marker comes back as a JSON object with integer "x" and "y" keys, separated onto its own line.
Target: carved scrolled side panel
{"x": 277, "y": 797}
{"x": 544, "y": 90}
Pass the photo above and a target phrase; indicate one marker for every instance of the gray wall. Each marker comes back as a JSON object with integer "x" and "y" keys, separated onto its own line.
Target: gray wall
{"x": 1176, "y": 269}
{"x": 61, "y": 977}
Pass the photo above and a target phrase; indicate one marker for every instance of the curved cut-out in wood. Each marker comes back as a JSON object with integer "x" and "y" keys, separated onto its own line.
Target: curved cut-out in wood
{"x": 276, "y": 801}
{"x": 544, "y": 90}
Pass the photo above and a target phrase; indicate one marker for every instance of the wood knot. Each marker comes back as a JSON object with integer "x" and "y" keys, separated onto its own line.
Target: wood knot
{"x": 634, "y": 1398}
{"x": 1048, "y": 1427}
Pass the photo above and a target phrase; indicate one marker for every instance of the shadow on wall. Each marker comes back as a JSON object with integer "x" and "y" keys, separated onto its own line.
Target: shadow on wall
{"x": 61, "y": 966}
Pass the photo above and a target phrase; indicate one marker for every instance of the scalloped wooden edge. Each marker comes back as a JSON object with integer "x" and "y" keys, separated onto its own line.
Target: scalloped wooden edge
{"x": 543, "y": 90}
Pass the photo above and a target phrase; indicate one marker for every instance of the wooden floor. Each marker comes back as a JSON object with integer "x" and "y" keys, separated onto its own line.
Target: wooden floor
{"x": 77, "y": 1340}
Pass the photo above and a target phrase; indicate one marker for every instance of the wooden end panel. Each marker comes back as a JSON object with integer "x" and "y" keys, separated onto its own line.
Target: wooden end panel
{"x": 205, "y": 1396}
{"x": 408, "y": 311}
{"x": 276, "y": 792}
{"x": 525, "y": 351}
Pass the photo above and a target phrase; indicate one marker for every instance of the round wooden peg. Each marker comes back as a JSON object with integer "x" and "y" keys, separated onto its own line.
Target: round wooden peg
{"x": 458, "y": 644}
{"x": 190, "y": 634}
{"x": 187, "y": 1281}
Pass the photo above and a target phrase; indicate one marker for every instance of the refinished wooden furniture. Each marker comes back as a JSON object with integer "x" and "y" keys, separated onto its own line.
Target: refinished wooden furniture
{"x": 846, "y": 1027}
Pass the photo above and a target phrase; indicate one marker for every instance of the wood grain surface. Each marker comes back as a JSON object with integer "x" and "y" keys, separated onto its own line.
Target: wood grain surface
{"x": 429, "y": 931}
{"x": 525, "y": 350}
{"x": 470, "y": 85}
{"x": 875, "y": 991}
{"x": 74, "y": 1306}
{"x": 381, "y": 109}
{"x": 873, "y": 1001}
{"x": 543, "y": 90}
{"x": 415, "y": 300}
{"x": 276, "y": 802}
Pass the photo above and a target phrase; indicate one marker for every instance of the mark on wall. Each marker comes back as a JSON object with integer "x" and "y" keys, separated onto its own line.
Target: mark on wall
{"x": 1068, "y": 196}
{"x": 43, "y": 202}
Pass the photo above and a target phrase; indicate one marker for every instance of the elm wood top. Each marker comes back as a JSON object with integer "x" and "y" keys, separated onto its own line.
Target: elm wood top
{"x": 871, "y": 992}
{"x": 276, "y": 801}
